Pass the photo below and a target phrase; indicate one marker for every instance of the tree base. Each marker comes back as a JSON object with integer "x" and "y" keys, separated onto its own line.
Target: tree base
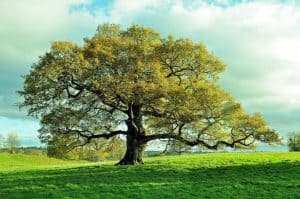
{"x": 129, "y": 162}
{"x": 134, "y": 152}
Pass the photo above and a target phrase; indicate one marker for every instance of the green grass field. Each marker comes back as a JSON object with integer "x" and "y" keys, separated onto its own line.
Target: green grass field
{"x": 227, "y": 175}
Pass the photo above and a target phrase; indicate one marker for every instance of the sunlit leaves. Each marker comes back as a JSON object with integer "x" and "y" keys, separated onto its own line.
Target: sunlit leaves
{"x": 172, "y": 82}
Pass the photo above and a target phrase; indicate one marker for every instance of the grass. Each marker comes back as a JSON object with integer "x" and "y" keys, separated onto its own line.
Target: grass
{"x": 19, "y": 162}
{"x": 228, "y": 175}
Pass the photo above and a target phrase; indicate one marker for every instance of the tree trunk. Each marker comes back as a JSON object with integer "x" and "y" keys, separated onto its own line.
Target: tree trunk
{"x": 134, "y": 152}
{"x": 135, "y": 146}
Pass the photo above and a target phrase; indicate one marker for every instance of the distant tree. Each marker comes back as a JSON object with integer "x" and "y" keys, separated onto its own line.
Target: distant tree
{"x": 294, "y": 142}
{"x": 32, "y": 151}
{"x": 12, "y": 142}
{"x": 1, "y": 141}
{"x": 159, "y": 88}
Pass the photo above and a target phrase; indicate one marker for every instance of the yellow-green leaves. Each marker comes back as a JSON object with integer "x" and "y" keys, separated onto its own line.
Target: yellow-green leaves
{"x": 171, "y": 82}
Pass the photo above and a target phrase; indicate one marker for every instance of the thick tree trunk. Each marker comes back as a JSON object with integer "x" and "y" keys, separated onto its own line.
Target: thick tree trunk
{"x": 135, "y": 130}
{"x": 134, "y": 152}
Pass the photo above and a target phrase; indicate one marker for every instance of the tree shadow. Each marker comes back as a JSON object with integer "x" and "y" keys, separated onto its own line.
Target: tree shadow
{"x": 271, "y": 180}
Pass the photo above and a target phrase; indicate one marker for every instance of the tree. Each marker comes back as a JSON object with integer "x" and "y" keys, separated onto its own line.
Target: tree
{"x": 12, "y": 142}
{"x": 294, "y": 142}
{"x": 139, "y": 85}
{"x": 1, "y": 141}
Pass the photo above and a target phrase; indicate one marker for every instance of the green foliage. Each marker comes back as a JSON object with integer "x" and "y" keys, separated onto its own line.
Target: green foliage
{"x": 160, "y": 88}
{"x": 176, "y": 147}
{"x": 236, "y": 175}
{"x": 96, "y": 150}
{"x": 99, "y": 150}
{"x": 294, "y": 142}
{"x": 32, "y": 151}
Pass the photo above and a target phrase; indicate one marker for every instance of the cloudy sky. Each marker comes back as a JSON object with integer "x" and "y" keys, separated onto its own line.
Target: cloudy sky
{"x": 258, "y": 40}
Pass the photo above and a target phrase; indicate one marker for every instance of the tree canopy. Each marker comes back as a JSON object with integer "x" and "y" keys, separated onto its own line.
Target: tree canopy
{"x": 134, "y": 83}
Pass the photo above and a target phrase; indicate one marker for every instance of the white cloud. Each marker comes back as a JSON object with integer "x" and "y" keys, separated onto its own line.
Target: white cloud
{"x": 26, "y": 30}
{"x": 259, "y": 40}
{"x": 28, "y": 26}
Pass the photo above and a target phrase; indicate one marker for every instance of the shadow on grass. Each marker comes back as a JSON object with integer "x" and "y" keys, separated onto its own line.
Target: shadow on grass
{"x": 273, "y": 180}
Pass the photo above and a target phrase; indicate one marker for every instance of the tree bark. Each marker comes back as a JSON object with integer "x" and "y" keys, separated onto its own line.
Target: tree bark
{"x": 134, "y": 152}
{"x": 135, "y": 146}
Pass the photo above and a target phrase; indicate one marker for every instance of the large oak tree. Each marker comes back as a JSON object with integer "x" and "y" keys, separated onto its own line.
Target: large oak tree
{"x": 139, "y": 85}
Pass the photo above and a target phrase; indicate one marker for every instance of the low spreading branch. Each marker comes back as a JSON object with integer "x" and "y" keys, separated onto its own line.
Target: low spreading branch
{"x": 199, "y": 141}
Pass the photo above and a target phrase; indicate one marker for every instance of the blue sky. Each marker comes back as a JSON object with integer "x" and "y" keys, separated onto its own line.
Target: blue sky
{"x": 258, "y": 40}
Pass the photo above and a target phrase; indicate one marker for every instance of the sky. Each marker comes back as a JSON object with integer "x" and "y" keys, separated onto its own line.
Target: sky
{"x": 258, "y": 40}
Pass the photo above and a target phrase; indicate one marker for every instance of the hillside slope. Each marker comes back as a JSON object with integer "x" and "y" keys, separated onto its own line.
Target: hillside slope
{"x": 229, "y": 175}
{"x": 20, "y": 162}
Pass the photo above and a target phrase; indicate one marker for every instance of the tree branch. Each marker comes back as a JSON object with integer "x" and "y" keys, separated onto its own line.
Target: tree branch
{"x": 198, "y": 141}
{"x": 91, "y": 135}
{"x": 109, "y": 135}
{"x": 106, "y": 101}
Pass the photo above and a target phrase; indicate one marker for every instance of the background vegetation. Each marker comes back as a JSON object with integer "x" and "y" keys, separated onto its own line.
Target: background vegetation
{"x": 294, "y": 142}
{"x": 97, "y": 150}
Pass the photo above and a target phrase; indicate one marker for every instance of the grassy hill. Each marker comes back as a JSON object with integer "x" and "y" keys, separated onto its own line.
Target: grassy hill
{"x": 228, "y": 175}
{"x": 20, "y": 162}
